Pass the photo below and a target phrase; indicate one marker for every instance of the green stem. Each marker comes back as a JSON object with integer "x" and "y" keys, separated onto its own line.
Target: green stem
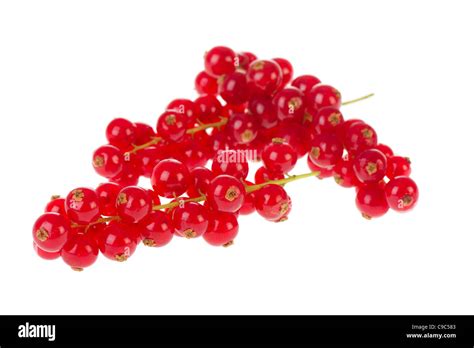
{"x": 291, "y": 178}
{"x": 178, "y": 202}
{"x": 220, "y": 123}
{"x": 358, "y": 99}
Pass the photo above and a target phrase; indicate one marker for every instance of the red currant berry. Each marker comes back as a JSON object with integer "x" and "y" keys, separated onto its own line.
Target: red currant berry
{"x": 107, "y": 161}
{"x": 264, "y": 175}
{"x": 194, "y": 154}
{"x": 272, "y": 202}
{"x": 327, "y": 119}
{"x": 344, "y": 175}
{"x": 156, "y": 229}
{"x": 386, "y": 150}
{"x": 264, "y": 77}
{"x": 185, "y": 107}
{"x": 323, "y": 172}
{"x": 286, "y": 70}
{"x": 226, "y": 193}
{"x": 321, "y": 96}
{"x": 223, "y": 228}
{"x": 46, "y": 255}
{"x": 245, "y": 58}
{"x": 118, "y": 241}
{"x": 190, "y": 220}
{"x": 171, "y": 126}
{"x": 326, "y": 150}
{"x": 82, "y": 205}
{"x": 129, "y": 176}
{"x": 170, "y": 178}
{"x": 359, "y": 137}
{"x": 371, "y": 201}
{"x": 205, "y": 83}
{"x": 402, "y": 193}
{"x": 133, "y": 204}
{"x": 289, "y": 104}
{"x": 234, "y": 89}
{"x": 50, "y": 231}
{"x": 249, "y": 203}
{"x": 263, "y": 109}
{"x": 294, "y": 134}
{"x": 200, "y": 178}
{"x": 121, "y": 133}
{"x": 56, "y": 205}
{"x": 398, "y": 166}
{"x": 370, "y": 166}
{"x": 143, "y": 133}
{"x": 305, "y": 82}
{"x": 243, "y": 128}
{"x": 80, "y": 251}
{"x": 208, "y": 109}
{"x": 107, "y": 194}
{"x": 147, "y": 159}
{"x": 219, "y": 141}
{"x": 219, "y": 61}
{"x": 230, "y": 162}
{"x": 279, "y": 157}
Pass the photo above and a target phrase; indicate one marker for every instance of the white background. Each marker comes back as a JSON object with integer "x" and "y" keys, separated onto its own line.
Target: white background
{"x": 68, "y": 67}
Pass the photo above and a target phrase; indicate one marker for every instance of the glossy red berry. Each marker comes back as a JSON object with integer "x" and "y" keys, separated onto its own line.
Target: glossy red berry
{"x": 226, "y": 193}
{"x": 371, "y": 201}
{"x": 245, "y": 58}
{"x": 193, "y": 154}
{"x": 143, "y": 133}
{"x": 223, "y": 228}
{"x": 243, "y": 128}
{"x": 402, "y": 193}
{"x": 272, "y": 202}
{"x": 279, "y": 156}
{"x": 46, "y": 255}
{"x": 262, "y": 107}
{"x": 205, "y": 83}
{"x": 323, "y": 172}
{"x": 121, "y": 133}
{"x": 80, "y": 251}
{"x": 147, "y": 159}
{"x": 398, "y": 166}
{"x": 133, "y": 204}
{"x": 172, "y": 126}
{"x": 249, "y": 203}
{"x": 326, "y": 150}
{"x": 344, "y": 175}
{"x": 234, "y": 88}
{"x": 82, "y": 205}
{"x": 359, "y": 137}
{"x": 185, "y": 107}
{"x": 305, "y": 82}
{"x": 56, "y": 205}
{"x": 208, "y": 109}
{"x": 230, "y": 162}
{"x": 294, "y": 134}
{"x": 107, "y": 194}
{"x": 200, "y": 178}
{"x": 170, "y": 178}
{"x": 190, "y": 220}
{"x": 289, "y": 104}
{"x": 370, "y": 166}
{"x": 264, "y": 175}
{"x": 219, "y": 61}
{"x": 50, "y": 231}
{"x": 386, "y": 150}
{"x": 118, "y": 241}
{"x": 156, "y": 229}
{"x": 264, "y": 77}
{"x": 286, "y": 70}
{"x": 129, "y": 175}
{"x": 107, "y": 161}
{"x": 327, "y": 119}
{"x": 321, "y": 96}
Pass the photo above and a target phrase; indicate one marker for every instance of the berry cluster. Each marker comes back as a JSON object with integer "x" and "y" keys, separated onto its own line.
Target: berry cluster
{"x": 247, "y": 109}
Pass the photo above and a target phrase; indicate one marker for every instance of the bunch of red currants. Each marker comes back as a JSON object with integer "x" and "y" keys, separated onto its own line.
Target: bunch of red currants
{"x": 248, "y": 109}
